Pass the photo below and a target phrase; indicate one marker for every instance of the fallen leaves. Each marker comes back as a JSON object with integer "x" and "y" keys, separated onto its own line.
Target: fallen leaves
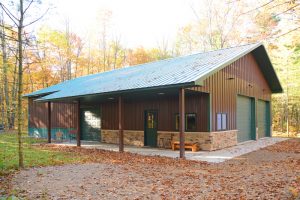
{"x": 288, "y": 146}
{"x": 271, "y": 173}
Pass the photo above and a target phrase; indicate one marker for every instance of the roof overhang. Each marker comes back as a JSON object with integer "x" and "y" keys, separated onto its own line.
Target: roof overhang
{"x": 102, "y": 96}
{"x": 263, "y": 60}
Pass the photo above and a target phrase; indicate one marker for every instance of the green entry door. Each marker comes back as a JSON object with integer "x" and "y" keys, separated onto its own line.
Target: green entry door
{"x": 90, "y": 123}
{"x": 150, "y": 132}
{"x": 263, "y": 118}
{"x": 245, "y": 118}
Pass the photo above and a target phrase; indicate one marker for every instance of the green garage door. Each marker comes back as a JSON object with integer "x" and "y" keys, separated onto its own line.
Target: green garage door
{"x": 90, "y": 123}
{"x": 263, "y": 118}
{"x": 245, "y": 118}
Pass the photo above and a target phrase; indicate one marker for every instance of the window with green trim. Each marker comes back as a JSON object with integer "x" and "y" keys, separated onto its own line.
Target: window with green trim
{"x": 190, "y": 122}
{"x": 221, "y": 121}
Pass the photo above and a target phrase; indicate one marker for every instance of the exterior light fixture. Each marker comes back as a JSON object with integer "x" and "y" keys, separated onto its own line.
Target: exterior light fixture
{"x": 111, "y": 98}
{"x": 161, "y": 93}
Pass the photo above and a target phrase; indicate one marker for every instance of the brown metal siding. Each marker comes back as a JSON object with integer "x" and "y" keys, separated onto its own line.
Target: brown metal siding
{"x": 109, "y": 116}
{"x": 63, "y": 115}
{"x": 167, "y": 108}
{"x": 38, "y": 114}
{"x": 243, "y": 77}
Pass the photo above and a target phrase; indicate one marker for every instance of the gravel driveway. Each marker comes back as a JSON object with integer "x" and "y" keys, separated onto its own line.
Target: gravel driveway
{"x": 270, "y": 173}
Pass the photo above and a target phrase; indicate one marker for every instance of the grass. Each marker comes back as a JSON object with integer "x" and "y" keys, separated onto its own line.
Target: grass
{"x": 33, "y": 156}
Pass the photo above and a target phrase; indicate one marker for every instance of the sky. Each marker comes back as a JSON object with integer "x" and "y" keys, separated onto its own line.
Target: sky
{"x": 137, "y": 22}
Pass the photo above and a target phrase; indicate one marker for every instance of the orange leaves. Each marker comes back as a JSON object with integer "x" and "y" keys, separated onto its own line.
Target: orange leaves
{"x": 264, "y": 174}
{"x": 288, "y": 146}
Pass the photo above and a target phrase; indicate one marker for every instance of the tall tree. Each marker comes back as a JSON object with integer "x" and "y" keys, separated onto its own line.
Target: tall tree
{"x": 23, "y": 7}
{"x": 217, "y": 24}
{"x": 5, "y": 69}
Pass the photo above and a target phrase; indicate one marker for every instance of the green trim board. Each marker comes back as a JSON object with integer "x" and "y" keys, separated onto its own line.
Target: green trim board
{"x": 209, "y": 115}
{"x": 43, "y": 132}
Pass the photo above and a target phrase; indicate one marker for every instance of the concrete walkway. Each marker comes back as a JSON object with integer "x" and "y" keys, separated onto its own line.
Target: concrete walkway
{"x": 212, "y": 157}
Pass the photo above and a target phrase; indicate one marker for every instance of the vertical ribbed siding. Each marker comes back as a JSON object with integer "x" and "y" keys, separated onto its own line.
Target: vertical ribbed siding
{"x": 64, "y": 115}
{"x": 242, "y": 77}
{"x": 38, "y": 114}
{"x": 167, "y": 108}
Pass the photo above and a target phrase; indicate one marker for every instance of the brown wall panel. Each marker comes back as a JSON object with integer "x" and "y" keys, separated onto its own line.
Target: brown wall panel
{"x": 38, "y": 114}
{"x": 63, "y": 115}
{"x": 167, "y": 108}
{"x": 243, "y": 77}
{"x": 109, "y": 115}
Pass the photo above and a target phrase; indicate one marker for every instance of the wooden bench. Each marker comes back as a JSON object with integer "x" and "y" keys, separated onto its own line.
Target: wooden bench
{"x": 194, "y": 146}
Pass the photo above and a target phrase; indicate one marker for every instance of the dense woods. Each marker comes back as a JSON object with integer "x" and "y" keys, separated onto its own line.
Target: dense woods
{"x": 51, "y": 56}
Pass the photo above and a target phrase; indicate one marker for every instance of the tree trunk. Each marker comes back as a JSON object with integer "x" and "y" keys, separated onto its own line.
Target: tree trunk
{"x": 5, "y": 80}
{"x": 13, "y": 97}
{"x": 69, "y": 61}
{"x": 20, "y": 84}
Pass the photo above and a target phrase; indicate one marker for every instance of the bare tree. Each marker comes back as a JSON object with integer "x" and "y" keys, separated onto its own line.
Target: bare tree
{"x": 116, "y": 48}
{"x": 4, "y": 70}
{"x": 69, "y": 60}
{"x": 18, "y": 21}
{"x": 105, "y": 17}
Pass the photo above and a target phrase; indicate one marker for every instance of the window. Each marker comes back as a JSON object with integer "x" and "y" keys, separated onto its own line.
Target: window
{"x": 224, "y": 121}
{"x": 150, "y": 120}
{"x": 221, "y": 121}
{"x": 190, "y": 122}
{"x": 177, "y": 122}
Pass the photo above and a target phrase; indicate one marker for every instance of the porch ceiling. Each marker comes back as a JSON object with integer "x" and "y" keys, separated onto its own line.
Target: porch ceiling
{"x": 101, "y": 98}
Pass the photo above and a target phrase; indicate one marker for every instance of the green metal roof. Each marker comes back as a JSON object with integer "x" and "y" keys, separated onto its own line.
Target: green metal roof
{"x": 181, "y": 71}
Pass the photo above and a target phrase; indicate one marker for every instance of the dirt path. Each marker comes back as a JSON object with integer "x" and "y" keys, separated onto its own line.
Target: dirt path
{"x": 270, "y": 173}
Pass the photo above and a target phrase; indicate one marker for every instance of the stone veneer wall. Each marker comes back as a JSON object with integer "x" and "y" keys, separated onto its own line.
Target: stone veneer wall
{"x": 131, "y": 137}
{"x": 208, "y": 141}
{"x": 223, "y": 139}
{"x": 203, "y": 138}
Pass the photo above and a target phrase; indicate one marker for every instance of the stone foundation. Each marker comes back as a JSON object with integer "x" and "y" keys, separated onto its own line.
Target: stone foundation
{"x": 200, "y": 137}
{"x": 131, "y": 137}
{"x": 223, "y": 139}
{"x": 208, "y": 141}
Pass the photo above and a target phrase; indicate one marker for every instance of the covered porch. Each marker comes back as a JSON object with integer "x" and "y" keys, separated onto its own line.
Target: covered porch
{"x": 152, "y": 118}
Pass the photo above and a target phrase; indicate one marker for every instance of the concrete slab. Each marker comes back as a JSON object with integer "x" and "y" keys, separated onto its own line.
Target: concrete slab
{"x": 211, "y": 157}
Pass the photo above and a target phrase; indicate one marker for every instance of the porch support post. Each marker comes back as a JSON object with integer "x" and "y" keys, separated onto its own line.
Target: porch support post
{"x": 49, "y": 122}
{"x": 121, "y": 124}
{"x": 181, "y": 122}
{"x": 78, "y": 125}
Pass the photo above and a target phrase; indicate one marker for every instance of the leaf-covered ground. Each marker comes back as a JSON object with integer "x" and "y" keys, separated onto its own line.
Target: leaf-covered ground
{"x": 33, "y": 156}
{"x": 270, "y": 173}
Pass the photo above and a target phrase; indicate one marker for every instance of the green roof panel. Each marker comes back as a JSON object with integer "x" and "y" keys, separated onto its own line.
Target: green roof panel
{"x": 174, "y": 72}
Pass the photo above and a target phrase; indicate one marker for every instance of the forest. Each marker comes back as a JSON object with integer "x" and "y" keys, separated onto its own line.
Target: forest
{"x": 32, "y": 59}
